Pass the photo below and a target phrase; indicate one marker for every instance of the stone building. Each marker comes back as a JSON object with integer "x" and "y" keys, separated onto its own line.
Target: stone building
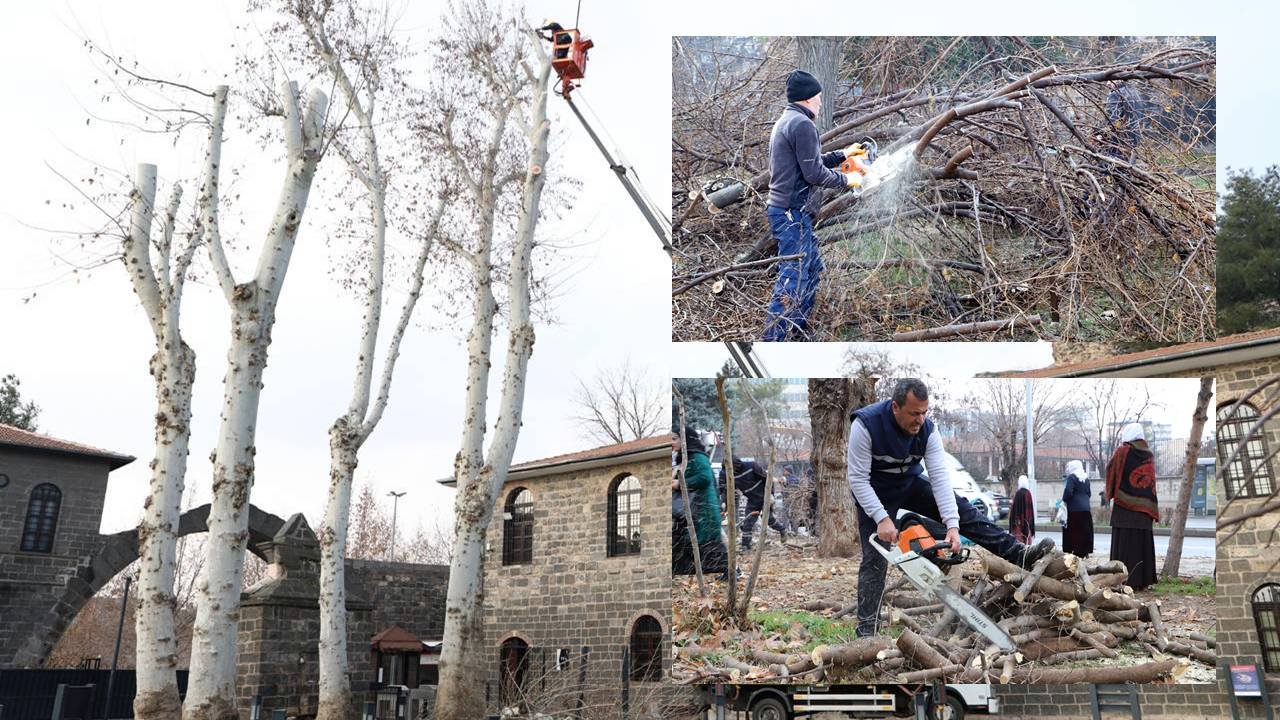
{"x": 53, "y": 559}
{"x": 51, "y": 496}
{"x": 577, "y": 574}
{"x": 1248, "y": 574}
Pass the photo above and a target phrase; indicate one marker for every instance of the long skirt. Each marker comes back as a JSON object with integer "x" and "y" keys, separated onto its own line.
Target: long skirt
{"x": 1136, "y": 548}
{"x": 1077, "y": 539}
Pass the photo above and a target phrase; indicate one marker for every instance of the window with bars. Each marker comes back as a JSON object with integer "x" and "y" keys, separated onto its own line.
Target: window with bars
{"x": 1249, "y": 475}
{"x": 646, "y": 649}
{"x": 1266, "y": 614}
{"x": 42, "y": 518}
{"x": 624, "y": 516}
{"x": 517, "y": 528}
{"x": 513, "y": 662}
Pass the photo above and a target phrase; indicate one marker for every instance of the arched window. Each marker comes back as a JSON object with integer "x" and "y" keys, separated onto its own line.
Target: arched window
{"x": 1250, "y": 474}
{"x": 1266, "y": 614}
{"x": 42, "y": 518}
{"x": 646, "y": 649}
{"x": 513, "y": 664}
{"x": 517, "y": 528}
{"x": 624, "y": 516}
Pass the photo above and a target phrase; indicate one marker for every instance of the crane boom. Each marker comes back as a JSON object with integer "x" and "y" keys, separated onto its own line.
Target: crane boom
{"x": 660, "y": 226}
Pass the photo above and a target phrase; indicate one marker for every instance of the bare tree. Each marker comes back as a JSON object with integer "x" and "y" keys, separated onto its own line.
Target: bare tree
{"x": 1000, "y": 411}
{"x": 830, "y": 402}
{"x": 620, "y": 404}
{"x": 498, "y": 88}
{"x": 1102, "y": 406}
{"x": 158, "y": 282}
{"x": 1173, "y": 555}
{"x": 821, "y": 57}
{"x": 356, "y": 52}
{"x": 211, "y": 692}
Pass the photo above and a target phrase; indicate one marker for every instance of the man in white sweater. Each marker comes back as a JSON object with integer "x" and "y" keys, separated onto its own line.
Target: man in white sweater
{"x": 887, "y": 442}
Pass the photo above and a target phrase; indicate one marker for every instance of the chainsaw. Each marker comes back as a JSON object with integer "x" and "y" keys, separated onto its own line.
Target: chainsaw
{"x": 857, "y": 162}
{"x": 925, "y": 561}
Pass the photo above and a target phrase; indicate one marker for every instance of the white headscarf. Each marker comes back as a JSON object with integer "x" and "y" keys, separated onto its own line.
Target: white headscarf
{"x": 1023, "y": 482}
{"x": 1076, "y": 468}
{"x": 1132, "y": 431}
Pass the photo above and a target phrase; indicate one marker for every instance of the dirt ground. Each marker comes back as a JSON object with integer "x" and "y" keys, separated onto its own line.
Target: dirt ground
{"x": 791, "y": 576}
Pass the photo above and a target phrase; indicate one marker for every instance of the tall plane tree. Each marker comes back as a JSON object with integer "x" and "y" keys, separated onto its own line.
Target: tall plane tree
{"x": 495, "y": 134}
{"x": 252, "y": 304}
{"x": 356, "y": 51}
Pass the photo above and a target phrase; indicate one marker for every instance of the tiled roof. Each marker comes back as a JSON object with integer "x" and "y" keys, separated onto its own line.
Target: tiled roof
{"x": 607, "y": 451}
{"x": 1155, "y": 355}
{"x": 17, "y": 437}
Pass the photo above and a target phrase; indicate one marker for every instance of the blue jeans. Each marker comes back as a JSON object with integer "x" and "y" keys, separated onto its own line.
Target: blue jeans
{"x": 915, "y": 495}
{"x": 797, "y": 282}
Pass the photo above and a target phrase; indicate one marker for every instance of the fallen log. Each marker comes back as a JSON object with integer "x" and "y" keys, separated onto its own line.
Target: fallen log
{"x": 929, "y": 674}
{"x": 860, "y": 652}
{"x": 1096, "y": 643}
{"x": 1011, "y": 323}
{"x": 1037, "y": 571}
{"x": 1071, "y": 656}
{"x": 1198, "y": 637}
{"x": 999, "y": 568}
{"x": 789, "y": 664}
{"x": 1076, "y": 566}
{"x": 919, "y": 652}
{"x": 1113, "y": 566}
{"x": 1144, "y": 673}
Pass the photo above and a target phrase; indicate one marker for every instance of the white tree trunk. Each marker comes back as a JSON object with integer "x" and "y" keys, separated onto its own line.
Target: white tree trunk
{"x": 211, "y": 689}
{"x": 460, "y": 696}
{"x": 173, "y": 368}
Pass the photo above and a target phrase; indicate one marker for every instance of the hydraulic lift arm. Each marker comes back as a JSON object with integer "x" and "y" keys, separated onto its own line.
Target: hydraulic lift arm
{"x": 661, "y": 226}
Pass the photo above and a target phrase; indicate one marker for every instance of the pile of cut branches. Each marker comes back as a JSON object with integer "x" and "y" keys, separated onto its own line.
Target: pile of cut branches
{"x": 1071, "y": 622}
{"x": 1055, "y": 188}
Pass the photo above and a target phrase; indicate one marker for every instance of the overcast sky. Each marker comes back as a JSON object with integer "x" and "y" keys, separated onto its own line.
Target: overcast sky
{"x": 81, "y": 345}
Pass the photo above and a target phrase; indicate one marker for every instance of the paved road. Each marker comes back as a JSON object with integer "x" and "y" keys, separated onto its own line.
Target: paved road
{"x": 1191, "y": 546}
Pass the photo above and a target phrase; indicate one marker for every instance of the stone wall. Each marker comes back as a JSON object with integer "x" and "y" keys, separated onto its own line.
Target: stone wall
{"x": 411, "y": 596}
{"x": 1045, "y": 702}
{"x": 30, "y": 583}
{"x": 279, "y": 631}
{"x": 572, "y": 594}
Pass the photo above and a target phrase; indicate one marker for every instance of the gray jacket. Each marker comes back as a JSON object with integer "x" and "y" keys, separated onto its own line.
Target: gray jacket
{"x": 797, "y": 163}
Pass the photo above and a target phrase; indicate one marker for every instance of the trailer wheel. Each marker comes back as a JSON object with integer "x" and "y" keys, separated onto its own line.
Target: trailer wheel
{"x": 952, "y": 708}
{"x": 769, "y": 708}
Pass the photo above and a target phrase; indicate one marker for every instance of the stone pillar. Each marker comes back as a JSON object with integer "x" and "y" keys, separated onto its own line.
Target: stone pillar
{"x": 279, "y": 629}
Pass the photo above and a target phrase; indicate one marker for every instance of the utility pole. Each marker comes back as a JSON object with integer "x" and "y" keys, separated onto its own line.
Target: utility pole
{"x": 395, "y": 503}
{"x": 115, "y": 657}
{"x": 1031, "y": 442}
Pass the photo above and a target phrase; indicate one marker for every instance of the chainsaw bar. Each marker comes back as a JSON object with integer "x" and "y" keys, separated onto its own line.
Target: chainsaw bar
{"x": 929, "y": 579}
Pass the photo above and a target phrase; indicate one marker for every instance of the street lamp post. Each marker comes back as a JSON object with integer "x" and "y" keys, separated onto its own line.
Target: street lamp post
{"x": 395, "y": 503}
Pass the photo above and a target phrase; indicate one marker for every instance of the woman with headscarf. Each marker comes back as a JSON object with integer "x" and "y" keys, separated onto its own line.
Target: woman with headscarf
{"x": 705, "y": 504}
{"x": 1077, "y": 539}
{"x": 1131, "y": 483}
{"x": 1022, "y": 515}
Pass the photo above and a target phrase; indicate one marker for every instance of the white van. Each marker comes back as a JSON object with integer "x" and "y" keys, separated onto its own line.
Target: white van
{"x": 966, "y": 487}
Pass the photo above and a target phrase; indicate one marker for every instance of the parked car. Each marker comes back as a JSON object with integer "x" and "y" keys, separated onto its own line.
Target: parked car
{"x": 966, "y": 487}
{"x": 1003, "y": 504}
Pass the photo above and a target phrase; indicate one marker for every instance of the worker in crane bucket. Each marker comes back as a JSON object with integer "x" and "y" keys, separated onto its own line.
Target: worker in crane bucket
{"x": 887, "y": 442}
{"x": 797, "y": 165}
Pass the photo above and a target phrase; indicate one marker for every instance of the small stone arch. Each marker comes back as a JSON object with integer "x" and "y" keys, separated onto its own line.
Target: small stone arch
{"x": 115, "y": 554}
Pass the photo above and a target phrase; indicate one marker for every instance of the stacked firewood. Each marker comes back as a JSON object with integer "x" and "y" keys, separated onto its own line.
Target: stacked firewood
{"x": 1059, "y": 612}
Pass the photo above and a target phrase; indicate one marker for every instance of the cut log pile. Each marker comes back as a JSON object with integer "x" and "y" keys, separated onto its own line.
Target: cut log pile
{"x": 1060, "y": 612}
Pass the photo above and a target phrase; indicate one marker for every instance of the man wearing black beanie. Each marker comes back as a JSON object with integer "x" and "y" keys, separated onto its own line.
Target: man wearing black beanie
{"x": 796, "y": 165}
